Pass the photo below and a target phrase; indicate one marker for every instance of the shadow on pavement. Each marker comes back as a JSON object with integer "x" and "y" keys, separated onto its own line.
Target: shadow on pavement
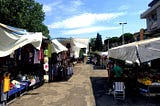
{"x": 98, "y": 67}
{"x": 61, "y": 79}
{"x": 99, "y": 86}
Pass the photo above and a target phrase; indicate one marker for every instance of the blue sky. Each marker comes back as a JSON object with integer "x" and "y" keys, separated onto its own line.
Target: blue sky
{"x": 86, "y": 18}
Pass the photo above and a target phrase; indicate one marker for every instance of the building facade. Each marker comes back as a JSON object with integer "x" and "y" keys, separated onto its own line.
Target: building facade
{"x": 152, "y": 16}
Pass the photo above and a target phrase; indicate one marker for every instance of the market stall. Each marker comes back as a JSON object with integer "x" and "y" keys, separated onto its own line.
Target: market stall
{"x": 60, "y": 62}
{"x": 141, "y": 52}
{"x": 57, "y": 46}
{"x": 13, "y": 42}
{"x": 77, "y": 44}
{"x": 102, "y": 56}
{"x": 16, "y": 39}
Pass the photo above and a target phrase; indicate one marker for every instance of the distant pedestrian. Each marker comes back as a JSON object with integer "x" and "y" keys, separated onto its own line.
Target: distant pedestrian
{"x": 83, "y": 58}
{"x": 95, "y": 60}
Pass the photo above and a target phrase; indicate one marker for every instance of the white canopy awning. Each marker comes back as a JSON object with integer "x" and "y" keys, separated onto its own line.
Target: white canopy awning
{"x": 103, "y": 53}
{"x": 143, "y": 51}
{"x": 80, "y": 42}
{"x": 57, "y": 46}
{"x": 10, "y": 39}
{"x": 77, "y": 44}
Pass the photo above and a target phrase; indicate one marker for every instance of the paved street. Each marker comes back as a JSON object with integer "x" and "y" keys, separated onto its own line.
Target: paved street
{"x": 87, "y": 87}
{"x": 77, "y": 91}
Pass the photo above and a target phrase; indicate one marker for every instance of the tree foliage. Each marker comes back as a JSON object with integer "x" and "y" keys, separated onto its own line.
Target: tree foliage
{"x": 92, "y": 44}
{"x": 98, "y": 43}
{"x": 128, "y": 37}
{"x": 26, "y": 14}
{"x": 111, "y": 40}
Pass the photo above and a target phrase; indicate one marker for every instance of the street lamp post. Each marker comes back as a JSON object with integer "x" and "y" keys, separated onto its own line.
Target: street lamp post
{"x": 122, "y": 23}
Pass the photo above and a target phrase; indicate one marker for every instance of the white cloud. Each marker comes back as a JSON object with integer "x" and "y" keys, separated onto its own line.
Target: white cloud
{"x": 123, "y": 7}
{"x": 89, "y": 30}
{"x": 84, "y": 20}
{"x": 62, "y": 6}
{"x": 47, "y": 8}
{"x": 77, "y": 3}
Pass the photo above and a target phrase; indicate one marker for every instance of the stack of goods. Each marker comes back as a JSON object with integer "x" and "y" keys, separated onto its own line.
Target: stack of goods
{"x": 145, "y": 81}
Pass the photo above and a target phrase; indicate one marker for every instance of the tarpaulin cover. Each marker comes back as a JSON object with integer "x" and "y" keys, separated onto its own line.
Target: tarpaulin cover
{"x": 142, "y": 51}
{"x": 57, "y": 46}
{"x": 12, "y": 39}
{"x": 103, "y": 53}
{"x": 77, "y": 44}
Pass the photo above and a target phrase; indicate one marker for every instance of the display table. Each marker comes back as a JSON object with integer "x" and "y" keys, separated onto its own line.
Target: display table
{"x": 149, "y": 90}
{"x": 14, "y": 90}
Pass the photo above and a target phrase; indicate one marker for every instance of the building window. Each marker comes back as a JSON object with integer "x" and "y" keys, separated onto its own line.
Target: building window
{"x": 152, "y": 21}
{"x": 154, "y": 17}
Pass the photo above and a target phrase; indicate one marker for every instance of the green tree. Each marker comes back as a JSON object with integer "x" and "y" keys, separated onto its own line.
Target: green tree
{"x": 112, "y": 41}
{"x": 98, "y": 42}
{"x": 92, "y": 44}
{"x": 116, "y": 41}
{"x": 26, "y": 14}
{"x": 128, "y": 37}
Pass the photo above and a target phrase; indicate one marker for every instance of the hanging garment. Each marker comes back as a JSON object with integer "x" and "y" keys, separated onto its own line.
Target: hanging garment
{"x": 56, "y": 70}
{"x": 6, "y": 84}
{"x": 49, "y": 50}
{"x": 46, "y": 52}
{"x": 30, "y": 57}
{"x": 36, "y": 60}
{"x": 46, "y": 66}
{"x": 69, "y": 71}
{"x": 40, "y": 54}
{"x": 19, "y": 54}
{"x": 46, "y": 60}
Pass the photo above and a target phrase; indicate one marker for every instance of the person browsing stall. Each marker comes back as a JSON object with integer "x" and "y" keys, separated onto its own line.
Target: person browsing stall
{"x": 118, "y": 72}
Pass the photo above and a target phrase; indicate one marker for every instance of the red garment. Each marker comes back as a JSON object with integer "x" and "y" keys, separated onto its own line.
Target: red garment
{"x": 11, "y": 85}
{"x": 40, "y": 54}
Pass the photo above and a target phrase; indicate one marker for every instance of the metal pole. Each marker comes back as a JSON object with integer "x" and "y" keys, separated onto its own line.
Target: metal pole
{"x": 122, "y": 23}
{"x": 123, "y": 34}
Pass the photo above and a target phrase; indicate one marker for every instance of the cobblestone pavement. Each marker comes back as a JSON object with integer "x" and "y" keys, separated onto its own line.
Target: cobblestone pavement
{"x": 87, "y": 87}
